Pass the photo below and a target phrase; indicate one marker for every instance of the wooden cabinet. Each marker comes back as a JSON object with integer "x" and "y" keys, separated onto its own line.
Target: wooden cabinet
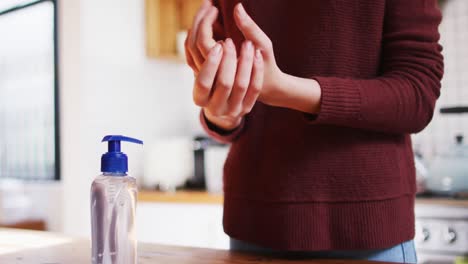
{"x": 164, "y": 20}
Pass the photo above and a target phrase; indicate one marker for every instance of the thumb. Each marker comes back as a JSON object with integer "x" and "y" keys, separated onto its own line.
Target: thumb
{"x": 253, "y": 32}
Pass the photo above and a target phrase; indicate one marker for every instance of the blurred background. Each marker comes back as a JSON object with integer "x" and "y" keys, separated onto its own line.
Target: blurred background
{"x": 72, "y": 71}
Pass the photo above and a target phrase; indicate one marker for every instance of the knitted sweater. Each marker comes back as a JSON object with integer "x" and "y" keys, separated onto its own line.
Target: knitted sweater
{"x": 344, "y": 178}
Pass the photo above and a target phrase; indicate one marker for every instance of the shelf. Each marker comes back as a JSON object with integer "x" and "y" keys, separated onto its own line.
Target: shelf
{"x": 191, "y": 197}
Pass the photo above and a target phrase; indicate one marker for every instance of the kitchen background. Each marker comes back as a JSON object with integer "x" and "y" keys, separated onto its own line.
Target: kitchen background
{"x": 441, "y": 132}
{"x": 114, "y": 80}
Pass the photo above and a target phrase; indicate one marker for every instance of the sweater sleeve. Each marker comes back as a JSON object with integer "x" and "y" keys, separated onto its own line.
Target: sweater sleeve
{"x": 402, "y": 98}
{"x": 219, "y": 134}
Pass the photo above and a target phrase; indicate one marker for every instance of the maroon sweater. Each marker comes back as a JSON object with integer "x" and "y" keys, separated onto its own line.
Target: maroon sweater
{"x": 345, "y": 178}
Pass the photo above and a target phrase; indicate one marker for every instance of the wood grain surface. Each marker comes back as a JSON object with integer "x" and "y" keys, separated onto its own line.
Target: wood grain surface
{"x": 35, "y": 247}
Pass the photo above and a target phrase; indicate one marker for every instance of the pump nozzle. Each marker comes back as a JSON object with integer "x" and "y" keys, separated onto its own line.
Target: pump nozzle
{"x": 115, "y": 161}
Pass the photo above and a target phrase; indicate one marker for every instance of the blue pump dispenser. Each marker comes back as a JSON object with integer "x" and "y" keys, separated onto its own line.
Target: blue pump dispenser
{"x": 114, "y": 161}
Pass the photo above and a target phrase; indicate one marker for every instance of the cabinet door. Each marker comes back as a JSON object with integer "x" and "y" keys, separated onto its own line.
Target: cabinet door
{"x": 164, "y": 20}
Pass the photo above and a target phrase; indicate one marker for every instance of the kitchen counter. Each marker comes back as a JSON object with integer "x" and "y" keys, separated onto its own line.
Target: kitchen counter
{"x": 191, "y": 197}
{"x": 442, "y": 202}
{"x": 203, "y": 197}
{"x": 32, "y": 224}
{"x": 32, "y": 247}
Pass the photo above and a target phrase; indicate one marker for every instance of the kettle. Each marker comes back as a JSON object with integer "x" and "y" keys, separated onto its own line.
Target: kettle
{"x": 448, "y": 174}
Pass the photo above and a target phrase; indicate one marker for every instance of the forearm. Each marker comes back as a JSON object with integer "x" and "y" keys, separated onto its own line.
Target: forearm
{"x": 297, "y": 93}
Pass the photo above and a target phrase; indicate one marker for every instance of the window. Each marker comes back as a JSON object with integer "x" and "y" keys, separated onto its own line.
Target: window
{"x": 29, "y": 129}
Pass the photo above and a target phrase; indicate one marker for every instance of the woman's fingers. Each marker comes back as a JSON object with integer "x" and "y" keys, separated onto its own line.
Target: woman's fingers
{"x": 224, "y": 79}
{"x": 256, "y": 83}
{"x": 252, "y": 31}
{"x": 242, "y": 81}
{"x": 197, "y": 18}
{"x": 205, "y": 40}
{"x": 188, "y": 55}
{"x": 192, "y": 38}
{"x": 226, "y": 85}
{"x": 205, "y": 78}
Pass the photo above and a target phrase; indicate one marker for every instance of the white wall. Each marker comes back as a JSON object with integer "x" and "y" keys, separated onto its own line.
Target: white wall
{"x": 110, "y": 87}
{"x": 46, "y": 203}
{"x": 70, "y": 104}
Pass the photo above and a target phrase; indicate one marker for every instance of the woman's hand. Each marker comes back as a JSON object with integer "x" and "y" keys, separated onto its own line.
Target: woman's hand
{"x": 200, "y": 39}
{"x": 273, "y": 75}
{"x": 227, "y": 87}
{"x": 279, "y": 89}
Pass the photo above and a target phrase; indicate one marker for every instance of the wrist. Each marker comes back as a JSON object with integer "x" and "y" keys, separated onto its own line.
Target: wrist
{"x": 300, "y": 94}
{"x": 225, "y": 123}
{"x": 275, "y": 90}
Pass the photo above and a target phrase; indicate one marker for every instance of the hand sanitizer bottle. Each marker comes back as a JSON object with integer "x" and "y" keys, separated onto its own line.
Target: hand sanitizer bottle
{"x": 113, "y": 202}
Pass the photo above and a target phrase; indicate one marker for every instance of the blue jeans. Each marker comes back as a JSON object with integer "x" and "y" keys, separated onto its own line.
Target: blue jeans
{"x": 402, "y": 253}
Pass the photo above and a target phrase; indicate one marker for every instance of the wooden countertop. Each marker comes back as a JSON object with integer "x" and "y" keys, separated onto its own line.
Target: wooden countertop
{"x": 442, "y": 202}
{"x": 203, "y": 197}
{"x": 197, "y": 197}
{"x": 33, "y": 224}
{"x": 32, "y": 247}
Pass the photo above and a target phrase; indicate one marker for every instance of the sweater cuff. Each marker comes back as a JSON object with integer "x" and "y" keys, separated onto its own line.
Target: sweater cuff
{"x": 219, "y": 134}
{"x": 340, "y": 102}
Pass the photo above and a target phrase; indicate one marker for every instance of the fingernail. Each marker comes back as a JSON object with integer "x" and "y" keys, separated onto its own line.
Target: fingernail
{"x": 241, "y": 10}
{"x": 229, "y": 42}
{"x": 258, "y": 54}
{"x": 213, "y": 9}
{"x": 248, "y": 45}
{"x": 216, "y": 49}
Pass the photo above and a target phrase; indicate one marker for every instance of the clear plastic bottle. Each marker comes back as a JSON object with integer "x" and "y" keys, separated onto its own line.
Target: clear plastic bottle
{"x": 113, "y": 206}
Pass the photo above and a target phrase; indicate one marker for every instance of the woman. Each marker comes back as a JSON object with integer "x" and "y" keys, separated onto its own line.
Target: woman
{"x": 318, "y": 99}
